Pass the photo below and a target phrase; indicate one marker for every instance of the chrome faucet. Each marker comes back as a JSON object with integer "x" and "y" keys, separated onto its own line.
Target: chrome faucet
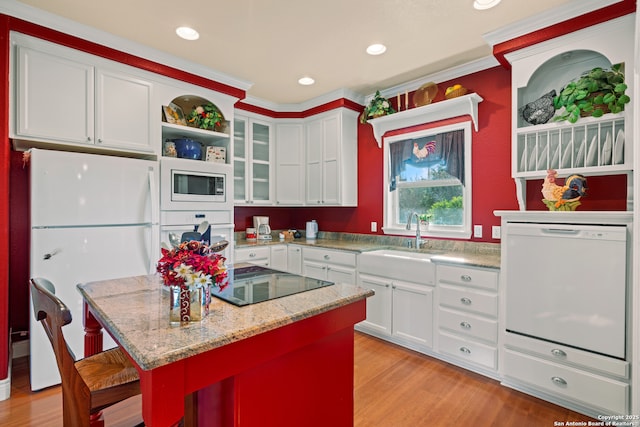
{"x": 418, "y": 239}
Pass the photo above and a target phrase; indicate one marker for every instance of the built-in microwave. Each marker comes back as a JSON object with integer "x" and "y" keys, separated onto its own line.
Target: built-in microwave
{"x": 191, "y": 184}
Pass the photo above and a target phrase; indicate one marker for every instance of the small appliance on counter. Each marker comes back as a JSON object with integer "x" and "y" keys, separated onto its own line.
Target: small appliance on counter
{"x": 250, "y": 234}
{"x": 312, "y": 229}
{"x": 261, "y": 224}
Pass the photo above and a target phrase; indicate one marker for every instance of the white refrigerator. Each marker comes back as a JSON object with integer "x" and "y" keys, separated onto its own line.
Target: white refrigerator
{"x": 93, "y": 217}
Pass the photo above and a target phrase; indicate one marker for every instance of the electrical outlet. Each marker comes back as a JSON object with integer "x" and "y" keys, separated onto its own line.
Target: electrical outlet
{"x": 495, "y": 232}
{"x": 477, "y": 231}
{"x": 374, "y": 226}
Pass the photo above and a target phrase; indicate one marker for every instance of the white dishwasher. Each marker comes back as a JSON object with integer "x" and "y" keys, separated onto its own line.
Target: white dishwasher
{"x": 566, "y": 284}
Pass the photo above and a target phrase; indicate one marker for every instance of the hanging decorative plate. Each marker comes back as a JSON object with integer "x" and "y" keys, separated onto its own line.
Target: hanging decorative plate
{"x": 425, "y": 94}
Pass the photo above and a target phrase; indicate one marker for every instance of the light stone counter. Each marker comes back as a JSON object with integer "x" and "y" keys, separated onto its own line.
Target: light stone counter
{"x": 135, "y": 310}
{"x": 456, "y": 252}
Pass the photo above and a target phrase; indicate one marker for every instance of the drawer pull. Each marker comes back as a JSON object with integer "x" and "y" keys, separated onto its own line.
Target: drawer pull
{"x": 465, "y": 278}
{"x": 465, "y": 350}
{"x": 559, "y": 381}
{"x": 252, "y": 255}
{"x": 465, "y": 301}
{"x": 558, "y": 353}
{"x": 326, "y": 257}
{"x": 465, "y": 325}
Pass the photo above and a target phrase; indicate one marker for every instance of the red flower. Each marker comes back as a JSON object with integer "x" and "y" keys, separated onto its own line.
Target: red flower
{"x": 196, "y": 255}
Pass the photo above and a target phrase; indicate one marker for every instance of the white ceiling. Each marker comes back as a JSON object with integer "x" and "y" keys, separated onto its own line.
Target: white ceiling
{"x": 272, "y": 43}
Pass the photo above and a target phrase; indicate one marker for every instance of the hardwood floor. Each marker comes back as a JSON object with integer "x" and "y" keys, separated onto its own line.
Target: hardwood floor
{"x": 394, "y": 387}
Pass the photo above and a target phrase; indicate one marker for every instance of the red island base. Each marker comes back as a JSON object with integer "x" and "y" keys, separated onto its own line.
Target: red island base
{"x": 300, "y": 374}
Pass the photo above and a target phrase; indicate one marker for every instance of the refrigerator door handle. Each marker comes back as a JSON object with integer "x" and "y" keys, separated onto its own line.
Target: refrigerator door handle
{"x": 155, "y": 217}
{"x": 153, "y": 196}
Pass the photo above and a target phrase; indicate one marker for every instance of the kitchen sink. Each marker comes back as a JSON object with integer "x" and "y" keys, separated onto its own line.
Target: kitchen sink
{"x": 394, "y": 253}
{"x": 398, "y": 264}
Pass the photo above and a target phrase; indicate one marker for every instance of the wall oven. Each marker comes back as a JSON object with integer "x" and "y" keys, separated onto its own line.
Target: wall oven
{"x": 195, "y": 185}
{"x": 220, "y": 227}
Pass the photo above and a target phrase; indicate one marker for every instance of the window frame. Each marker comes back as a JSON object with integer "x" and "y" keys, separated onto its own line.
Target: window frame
{"x": 390, "y": 197}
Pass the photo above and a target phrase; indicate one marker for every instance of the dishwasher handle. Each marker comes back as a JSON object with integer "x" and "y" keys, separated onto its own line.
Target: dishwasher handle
{"x": 561, "y": 231}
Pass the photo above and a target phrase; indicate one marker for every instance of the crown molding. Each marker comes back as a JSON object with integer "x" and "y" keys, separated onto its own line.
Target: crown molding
{"x": 545, "y": 19}
{"x": 39, "y": 17}
{"x": 440, "y": 76}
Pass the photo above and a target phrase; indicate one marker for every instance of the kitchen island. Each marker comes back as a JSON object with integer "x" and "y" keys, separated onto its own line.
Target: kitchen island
{"x": 287, "y": 361}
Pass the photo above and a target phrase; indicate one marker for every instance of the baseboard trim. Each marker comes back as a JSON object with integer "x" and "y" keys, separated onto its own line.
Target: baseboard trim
{"x": 20, "y": 349}
{"x": 5, "y": 385}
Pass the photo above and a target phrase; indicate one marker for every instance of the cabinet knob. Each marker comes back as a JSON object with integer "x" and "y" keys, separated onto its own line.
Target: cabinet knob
{"x": 99, "y": 140}
{"x": 465, "y": 278}
{"x": 559, "y": 381}
{"x": 386, "y": 285}
{"x": 465, "y": 325}
{"x": 252, "y": 255}
{"x": 558, "y": 353}
{"x": 465, "y": 350}
{"x": 89, "y": 138}
{"x": 327, "y": 257}
{"x": 465, "y": 301}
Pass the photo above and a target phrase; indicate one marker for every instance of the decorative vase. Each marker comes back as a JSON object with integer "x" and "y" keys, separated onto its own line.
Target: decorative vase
{"x": 189, "y": 304}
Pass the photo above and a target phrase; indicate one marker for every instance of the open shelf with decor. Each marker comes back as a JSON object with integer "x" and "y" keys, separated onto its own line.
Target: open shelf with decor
{"x": 212, "y": 136}
{"x": 571, "y": 105}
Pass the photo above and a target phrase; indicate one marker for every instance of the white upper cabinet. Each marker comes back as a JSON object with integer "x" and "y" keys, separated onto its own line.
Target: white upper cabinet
{"x": 253, "y": 161}
{"x": 123, "y": 109}
{"x": 589, "y": 145}
{"x": 331, "y": 159}
{"x": 71, "y": 98}
{"x": 289, "y": 164}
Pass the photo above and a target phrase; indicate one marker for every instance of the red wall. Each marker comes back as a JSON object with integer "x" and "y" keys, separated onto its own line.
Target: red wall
{"x": 493, "y": 187}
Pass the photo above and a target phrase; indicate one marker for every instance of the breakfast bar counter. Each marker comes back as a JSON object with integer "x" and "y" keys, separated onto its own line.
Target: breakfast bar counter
{"x": 286, "y": 361}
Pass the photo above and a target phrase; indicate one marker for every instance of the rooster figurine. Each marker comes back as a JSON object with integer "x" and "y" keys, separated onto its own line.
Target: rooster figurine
{"x": 423, "y": 153}
{"x": 555, "y": 195}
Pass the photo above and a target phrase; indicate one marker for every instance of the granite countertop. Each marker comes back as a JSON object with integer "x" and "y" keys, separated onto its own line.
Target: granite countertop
{"x": 452, "y": 252}
{"x": 135, "y": 310}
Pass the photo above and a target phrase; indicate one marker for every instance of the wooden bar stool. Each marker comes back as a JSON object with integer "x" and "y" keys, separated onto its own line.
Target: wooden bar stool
{"x": 88, "y": 385}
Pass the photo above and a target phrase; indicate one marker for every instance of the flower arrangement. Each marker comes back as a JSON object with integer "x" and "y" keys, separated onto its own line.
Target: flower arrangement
{"x": 190, "y": 264}
{"x": 379, "y": 106}
{"x": 206, "y": 117}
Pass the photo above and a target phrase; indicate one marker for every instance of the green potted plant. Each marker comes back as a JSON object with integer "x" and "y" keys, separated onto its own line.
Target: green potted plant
{"x": 594, "y": 93}
{"x": 379, "y": 106}
{"x": 206, "y": 117}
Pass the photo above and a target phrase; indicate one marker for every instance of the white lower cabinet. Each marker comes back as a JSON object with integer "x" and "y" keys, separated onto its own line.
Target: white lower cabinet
{"x": 467, "y": 315}
{"x": 399, "y": 310}
{"x": 412, "y": 313}
{"x": 327, "y": 264}
{"x": 294, "y": 259}
{"x": 278, "y": 257}
{"x": 582, "y": 380}
{"x": 259, "y": 255}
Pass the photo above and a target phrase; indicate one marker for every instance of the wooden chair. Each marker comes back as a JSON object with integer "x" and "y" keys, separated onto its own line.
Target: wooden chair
{"x": 90, "y": 384}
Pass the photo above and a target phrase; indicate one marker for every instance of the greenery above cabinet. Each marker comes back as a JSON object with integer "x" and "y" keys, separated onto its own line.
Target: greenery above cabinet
{"x": 455, "y": 107}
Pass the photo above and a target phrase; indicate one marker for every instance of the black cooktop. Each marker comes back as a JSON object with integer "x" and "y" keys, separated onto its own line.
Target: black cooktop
{"x": 253, "y": 284}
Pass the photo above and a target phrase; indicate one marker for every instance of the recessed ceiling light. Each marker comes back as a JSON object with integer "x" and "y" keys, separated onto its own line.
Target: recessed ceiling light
{"x": 485, "y": 4}
{"x": 187, "y": 33}
{"x": 306, "y": 81}
{"x": 376, "y": 49}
